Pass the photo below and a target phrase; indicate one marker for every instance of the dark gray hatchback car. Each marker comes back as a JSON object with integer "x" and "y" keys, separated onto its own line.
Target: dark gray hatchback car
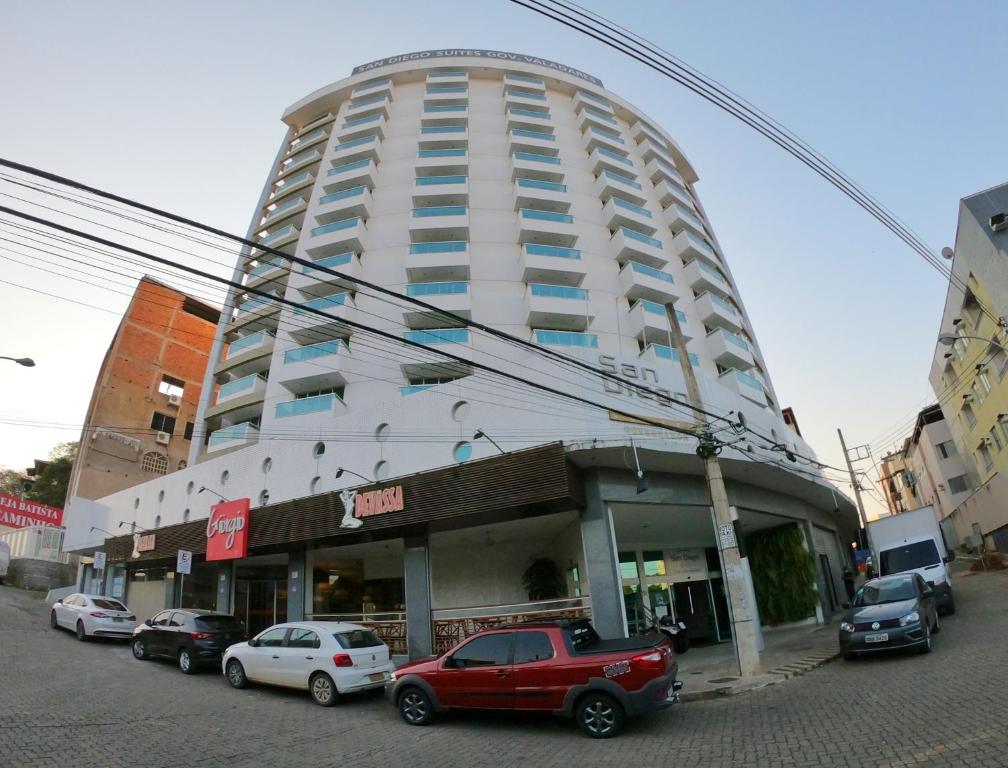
{"x": 892, "y": 612}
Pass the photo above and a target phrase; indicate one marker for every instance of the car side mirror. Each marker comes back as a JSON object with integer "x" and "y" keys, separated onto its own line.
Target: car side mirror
{"x": 845, "y": 606}
{"x": 948, "y": 558}
{"x": 253, "y": 643}
{"x": 149, "y": 622}
{"x": 60, "y": 601}
{"x": 449, "y": 662}
{"x": 317, "y": 643}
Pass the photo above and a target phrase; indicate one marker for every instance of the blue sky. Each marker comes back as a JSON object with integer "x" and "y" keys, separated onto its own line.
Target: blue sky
{"x": 179, "y": 104}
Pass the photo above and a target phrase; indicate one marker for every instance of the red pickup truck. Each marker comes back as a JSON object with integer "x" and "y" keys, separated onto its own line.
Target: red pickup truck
{"x": 562, "y": 667}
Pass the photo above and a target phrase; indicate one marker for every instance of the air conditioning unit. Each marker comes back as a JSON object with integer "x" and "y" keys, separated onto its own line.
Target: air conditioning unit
{"x": 163, "y": 438}
{"x": 987, "y": 441}
{"x": 967, "y": 399}
{"x": 175, "y": 400}
{"x": 999, "y": 222}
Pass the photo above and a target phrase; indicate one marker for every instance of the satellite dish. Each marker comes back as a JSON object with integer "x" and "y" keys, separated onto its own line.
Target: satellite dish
{"x": 947, "y": 252}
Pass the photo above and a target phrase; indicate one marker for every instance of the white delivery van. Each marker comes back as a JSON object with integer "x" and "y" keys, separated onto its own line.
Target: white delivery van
{"x": 912, "y": 542}
{"x": 4, "y": 560}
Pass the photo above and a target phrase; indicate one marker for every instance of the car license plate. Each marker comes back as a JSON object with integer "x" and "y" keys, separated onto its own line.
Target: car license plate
{"x": 374, "y": 678}
{"x": 117, "y": 618}
{"x": 880, "y": 637}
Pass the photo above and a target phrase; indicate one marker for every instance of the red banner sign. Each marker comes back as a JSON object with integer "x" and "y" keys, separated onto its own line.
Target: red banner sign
{"x": 227, "y": 530}
{"x": 21, "y": 513}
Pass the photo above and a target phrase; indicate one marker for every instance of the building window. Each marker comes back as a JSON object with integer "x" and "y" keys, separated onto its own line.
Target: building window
{"x": 983, "y": 452}
{"x": 1000, "y": 363}
{"x": 995, "y": 437}
{"x": 189, "y": 427}
{"x": 983, "y": 383}
{"x": 946, "y": 449}
{"x": 155, "y": 462}
{"x": 462, "y": 452}
{"x": 957, "y": 484}
{"x": 171, "y": 386}
{"x": 968, "y": 416}
{"x": 162, "y": 422}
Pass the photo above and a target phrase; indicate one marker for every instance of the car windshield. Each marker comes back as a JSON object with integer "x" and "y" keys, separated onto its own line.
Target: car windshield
{"x": 220, "y": 623}
{"x": 108, "y": 605}
{"x": 358, "y": 638}
{"x": 907, "y": 557}
{"x": 886, "y": 591}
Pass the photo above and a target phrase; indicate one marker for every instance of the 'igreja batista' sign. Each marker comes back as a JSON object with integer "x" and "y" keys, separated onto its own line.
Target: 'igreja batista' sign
{"x": 476, "y": 53}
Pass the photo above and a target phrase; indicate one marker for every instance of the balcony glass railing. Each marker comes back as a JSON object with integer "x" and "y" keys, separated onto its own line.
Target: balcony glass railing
{"x": 291, "y": 182}
{"x": 321, "y": 304}
{"x": 306, "y": 405}
{"x": 441, "y": 153}
{"x": 362, "y": 120}
{"x": 598, "y": 114}
{"x": 270, "y": 213}
{"x": 628, "y": 206}
{"x": 659, "y": 309}
{"x": 336, "y": 170}
{"x": 250, "y": 305}
{"x": 540, "y": 114}
{"x": 594, "y": 97}
{"x": 534, "y": 249}
{"x": 445, "y": 246}
{"x": 524, "y": 78}
{"x": 278, "y": 235}
{"x": 537, "y": 184}
{"x": 439, "y": 210}
{"x": 644, "y": 269}
{"x": 566, "y": 338}
{"x": 523, "y": 94}
{"x": 621, "y": 179}
{"x": 535, "y": 213}
{"x": 238, "y": 386}
{"x": 633, "y": 234}
{"x": 329, "y": 262}
{"x": 438, "y": 289}
{"x": 669, "y": 170}
{"x": 365, "y": 101}
{"x": 311, "y": 351}
{"x": 439, "y": 336}
{"x": 343, "y": 194}
{"x": 748, "y": 380}
{"x": 611, "y": 135}
{"x": 371, "y": 139}
{"x": 267, "y": 266}
{"x": 431, "y": 181}
{"x": 308, "y": 156}
{"x": 614, "y": 156}
{"x": 709, "y": 270}
{"x": 308, "y": 138}
{"x": 537, "y": 158}
{"x": 372, "y": 84}
{"x": 336, "y": 226}
{"x": 723, "y": 303}
{"x": 445, "y": 107}
{"x": 668, "y": 353}
{"x": 435, "y": 89}
{"x": 541, "y": 135}
{"x": 445, "y": 73}
{"x": 558, "y": 291}
{"x": 245, "y": 343}
{"x": 733, "y": 339}
{"x": 688, "y": 217}
{"x": 231, "y": 434}
{"x": 443, "y": 129}
{"x": 412, "y": 389}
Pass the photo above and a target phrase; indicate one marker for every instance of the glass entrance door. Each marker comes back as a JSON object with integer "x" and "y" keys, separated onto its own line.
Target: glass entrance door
{"x": 260, "y": 603}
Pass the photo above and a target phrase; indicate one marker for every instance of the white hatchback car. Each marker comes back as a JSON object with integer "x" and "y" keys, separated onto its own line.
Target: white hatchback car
{"x": 93, "y": 616}
{"x": 327, "y": 658}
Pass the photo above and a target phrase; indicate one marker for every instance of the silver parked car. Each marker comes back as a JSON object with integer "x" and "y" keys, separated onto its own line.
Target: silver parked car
{"x": 93, "y": 616}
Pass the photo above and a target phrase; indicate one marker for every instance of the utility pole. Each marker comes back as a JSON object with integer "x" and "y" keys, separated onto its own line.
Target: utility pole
{"x": 857, "y": 489}
{"x": 736, "y": 574}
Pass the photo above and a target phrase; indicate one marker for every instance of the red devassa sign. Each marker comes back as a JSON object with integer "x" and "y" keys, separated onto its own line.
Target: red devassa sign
{"x": 227, "y": 530}
{"x": 21, "y": 513}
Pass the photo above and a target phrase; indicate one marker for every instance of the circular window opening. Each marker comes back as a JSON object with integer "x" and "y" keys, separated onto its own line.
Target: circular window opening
{"x": 185, "y": 516}
{"x": 136, "y": 503}
{"x": 381, "y": 470}
{"x": 318, "y": 450}
{"x": 462, "y": 452}
{"x": 460, "y": 411}
{"x": 224, "y": 477}
{"x": 382, "y": 433}
{"x": 160, "y": 496}
{"x": 190, "y": 487}
{"x": 263, "y": 498}
{"x": 157, "y": 521}
{"x": 316, "y": 484}
{"x": 267, "y": 464}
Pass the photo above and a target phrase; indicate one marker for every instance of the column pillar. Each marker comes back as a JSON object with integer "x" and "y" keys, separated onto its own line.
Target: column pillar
{"x": 602, "y": 562}
{"x": 225, "y": 580}
{"x": 295, "y": 585}
{"x": 416, "y": 578}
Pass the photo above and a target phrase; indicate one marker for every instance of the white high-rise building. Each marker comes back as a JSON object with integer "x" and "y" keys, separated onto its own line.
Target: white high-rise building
{"x": 522, "y": 195}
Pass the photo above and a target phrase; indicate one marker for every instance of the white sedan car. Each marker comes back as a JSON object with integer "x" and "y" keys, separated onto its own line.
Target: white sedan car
{"x": 93, "y": 616}
{"x": 325, "y": 657}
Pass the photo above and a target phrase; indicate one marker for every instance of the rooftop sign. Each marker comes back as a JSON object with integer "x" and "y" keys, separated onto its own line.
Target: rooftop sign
{"x": 479, "y": 53}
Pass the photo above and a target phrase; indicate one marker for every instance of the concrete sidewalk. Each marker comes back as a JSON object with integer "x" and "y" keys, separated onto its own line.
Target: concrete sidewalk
{"x": 711, "y": 671}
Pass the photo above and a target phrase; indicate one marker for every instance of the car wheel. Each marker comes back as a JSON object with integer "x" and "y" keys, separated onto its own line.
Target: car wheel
{"x": 53, "y": 621}
{"x": 323, "y": 689}
{"x": 140, "y": 650}
{"x": 680, "y": 644}
{"x": 415, "y": 707}
{"x": 236, "y": 674}
{"x": 186, "y": 662}
{"x": 600, "y": 715}
{"x": 81, "y": 634}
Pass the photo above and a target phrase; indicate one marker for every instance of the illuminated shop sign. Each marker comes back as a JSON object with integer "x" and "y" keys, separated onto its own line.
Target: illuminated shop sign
{"x": 227, "y": 530}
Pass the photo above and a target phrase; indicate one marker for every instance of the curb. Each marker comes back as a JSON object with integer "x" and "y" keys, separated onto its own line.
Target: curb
{"x": 773, "y": 677}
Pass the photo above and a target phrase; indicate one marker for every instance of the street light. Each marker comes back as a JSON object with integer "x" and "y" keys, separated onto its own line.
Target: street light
{"x": 204, "y": 488}
{"x": 948, "y": 339}
{"x": 341, "y": 470}
{"x": 480, "y": 433}
{"x": 27, "y": 362}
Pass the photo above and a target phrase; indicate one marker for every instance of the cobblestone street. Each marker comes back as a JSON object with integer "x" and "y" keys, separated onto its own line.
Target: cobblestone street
{"x": 67, "y": 703}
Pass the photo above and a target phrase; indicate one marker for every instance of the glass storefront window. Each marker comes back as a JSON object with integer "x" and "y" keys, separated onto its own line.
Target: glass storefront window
{"x": 628, "y": 565}
{"x": 654, "y": 563}
{"x": 199, "y": 588}
{"x": 340, "y": 587}
{"x": 661, "y": 601}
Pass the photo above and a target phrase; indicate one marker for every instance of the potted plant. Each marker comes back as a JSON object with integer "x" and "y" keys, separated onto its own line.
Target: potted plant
{"x": 543, "y": 579}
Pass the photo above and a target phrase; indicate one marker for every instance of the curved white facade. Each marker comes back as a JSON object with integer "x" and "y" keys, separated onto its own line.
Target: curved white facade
{"x": 526, "y": 198}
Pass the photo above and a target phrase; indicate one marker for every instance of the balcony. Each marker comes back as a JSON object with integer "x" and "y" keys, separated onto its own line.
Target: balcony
{"x": 534, "y": 119}
{"x": 648, "y": 321}
{"x": 247, "y": 355}
{"x": 299, "y": 161}
{"x": 361, "y": 127}
{"x": 268, "y": 275}
{"x": 525, "y": 140}
{"x": 717, "y": 312}
{"x": 663, "y": 353}
{"x": 280, "y": 211}
{"x": 447, "y": 76}
{"x": 536, "y": 165}
{"x": 596, "y": 136}
{"x": 521, "y": 97}
{"x": 438, "y": 223}
{"x": 448, "y": 161}
{"x": 619, "y": 213}
{"x": 235, "y": 436}
{"x": 349, "y": 202}
{"x": 361, "y": 172}
{"x": 240, "y": 399}
{"x": 357, "y": 149}
{"x": 551, "y": 264}
{"x": 583, "y": 99}
{"x": 744, "y": 384}
{"x": 373, "y": 87}
{"x": 591, "y": 116}
{"x": 449, "y": 189}
{"x": 306, "y": 140}
{"x": 345, "y": 263}
{"x": 613, "y": 184}
{"x": 544, "y": 195}
{"x": 630, "y": 245}
{"x": 314, "y": 406}
{"x": 419, "y": 363}
{"x": 686, "y": 245}
{"x": 729, "y": 349}
{"x": 290, "y": 184}
{"x": 447, "y": 92}
{"x": 322, "y": 317}
{"x": 367, "y": 105}
{"x": 651, "y": 150}
{"x": 602, "y": 159}
{"x": 639, "y": 281}
{"x": 253, "y": 314}
{"x": 278, "y": 238}
{"x": 526, "y": 82}
{"x": 682, "y": 220}
{"x": 658, "y": 169}
{"x": 562, "y": 307}
{"x": 669, "y": 192}
{"x": 445, "y": 135}
{"x": 317, "y": 122}
{"x": 569, "y": 339}
{"x": 641, "y": 131}
{"x": 458, "y": 110}
{"x": 450, "y": 296}
{"x": 337, "y": 237}
{"x": 444, "y": 260}
{"x": 546, "y": 227}
{"x": 701, "y": 277}
{"x": 253, "y": 384}
{"x": 317, "y": 365}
